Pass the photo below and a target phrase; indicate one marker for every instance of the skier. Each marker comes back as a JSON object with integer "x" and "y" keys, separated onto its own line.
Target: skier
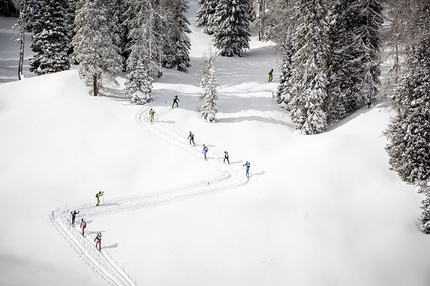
{"x": 98, "y": 241}
{"x": 98, "y": 195}
{"x": 191, "y": 138}
{"x": 226, "y": 156}
{"x": 205, "y": 151}
{"x": 270, "y": 75}
{"x": 83, "y": 225}
{"x": 74, "y": 213}
{"x": 175, "y": 101}
{"x": 247, "y": 165}
{"x": 152, "y": 114}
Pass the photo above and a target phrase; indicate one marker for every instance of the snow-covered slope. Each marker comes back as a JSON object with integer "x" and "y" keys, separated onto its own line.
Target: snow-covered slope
{"x": 317, "y": 210}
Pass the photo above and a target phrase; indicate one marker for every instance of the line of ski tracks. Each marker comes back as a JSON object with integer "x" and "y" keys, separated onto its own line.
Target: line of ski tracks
{"x": 100, "y": 261}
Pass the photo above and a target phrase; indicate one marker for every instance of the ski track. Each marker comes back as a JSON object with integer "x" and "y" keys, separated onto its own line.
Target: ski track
{"x": 100, "y": 261}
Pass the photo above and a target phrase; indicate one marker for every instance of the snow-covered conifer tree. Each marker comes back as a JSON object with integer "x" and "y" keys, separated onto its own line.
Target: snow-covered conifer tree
{"x": 354, "y": 63}
{"x": 278, "y": 23}
{"x": 50, "y": 40}
{"x": 29, "y": 8}
{"x": 117, "y": 9}
{"x": 209, "y": 84}
{"x": 309, "y": 67}
{"x": 176, "y": 45}
{"x": 139, "y": 83}
{"x": 145, "y": 25}
{"x": 207, "y": 66}
{"x": 70, "y": 24}
{"x": 205, "y": 14}
{"x": 343, "y": 67}
{"x": 424, "y": 188}
{"x": 367, "y": 43}
{"x": 409, "y": 23}
{"x": 283, "y": 92}
{"x": 95, "y": 44}
{"x": 139, "y": 63}
{"x": 409, "y": 132}
{"x": 231, "y": 35}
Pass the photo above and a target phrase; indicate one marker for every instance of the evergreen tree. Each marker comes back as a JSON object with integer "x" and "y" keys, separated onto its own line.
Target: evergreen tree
{"x": 29, "y": 8}
{"x": 70, "y": 25}
{"x": 409, "y": 24}
{"x": 232, "y": 21}
{"x": 95, "y": 44}
{"x": 409, "y": 132}
{"x": 209, "y": 84}
{"x": 283, "y": 92}
{"x": 117, "y": 10}
{"x": 206, "y": 68}
{"x": 424, "y": 188}
{"x": 139, "y": 83}
{"x": 354, "y": 64}
{"x": 399, "y": 35}
{"x": 145, "y": 27}
{"x": 367, "y": 50}
{"x": 343, "y": 69}
{"x": 176, "y": 46}
{"x": 205, "y": 15}
{"x": 50, "y": 40}
{"x": 161, "y": 22}
{"x": 279, "y": 21}
{"x": 309, "y": 67}
{"x": 139, "y": 64}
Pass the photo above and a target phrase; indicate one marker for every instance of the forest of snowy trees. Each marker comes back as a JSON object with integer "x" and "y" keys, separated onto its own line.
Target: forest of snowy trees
{"x": 139, "y": 37}
{"x": 330, "y": 51}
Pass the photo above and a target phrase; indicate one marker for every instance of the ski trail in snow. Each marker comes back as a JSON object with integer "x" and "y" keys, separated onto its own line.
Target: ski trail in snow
{"x": 100, "y": 261}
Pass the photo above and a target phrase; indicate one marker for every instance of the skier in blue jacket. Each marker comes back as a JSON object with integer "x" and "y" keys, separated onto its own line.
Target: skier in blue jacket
{"x": 247, "y": 165}
{"x": 205, "y": 151}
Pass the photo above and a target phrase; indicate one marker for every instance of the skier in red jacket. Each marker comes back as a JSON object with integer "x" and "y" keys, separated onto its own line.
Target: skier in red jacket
{"x": 83, "y": 225}
{"x": 98, "y": 241}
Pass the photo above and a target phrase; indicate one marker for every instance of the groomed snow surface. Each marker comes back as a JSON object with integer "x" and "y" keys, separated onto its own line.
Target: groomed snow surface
{"x": 317, "y": 210}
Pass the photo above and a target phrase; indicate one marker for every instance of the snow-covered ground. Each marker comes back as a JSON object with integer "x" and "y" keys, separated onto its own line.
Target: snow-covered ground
{"x": 317, "y": 210}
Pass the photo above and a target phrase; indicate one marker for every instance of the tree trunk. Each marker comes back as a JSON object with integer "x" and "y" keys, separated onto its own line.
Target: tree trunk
{"x": 262, "y": 16}
{"x": 95, "y": 85}
{"x": 21, "y": 55}
{"x": 21, "y": 22}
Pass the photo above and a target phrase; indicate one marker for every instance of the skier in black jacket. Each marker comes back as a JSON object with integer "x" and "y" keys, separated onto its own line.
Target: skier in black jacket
{"x": 74, "y": 213}
{"x": 175, "y": 101}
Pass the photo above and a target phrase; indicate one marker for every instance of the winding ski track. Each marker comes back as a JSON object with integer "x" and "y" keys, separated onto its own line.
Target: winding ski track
{"x": 100, "y": 261}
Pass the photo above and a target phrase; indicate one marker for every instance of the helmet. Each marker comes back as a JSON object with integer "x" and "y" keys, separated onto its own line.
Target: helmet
{"x": 99, "y": 234}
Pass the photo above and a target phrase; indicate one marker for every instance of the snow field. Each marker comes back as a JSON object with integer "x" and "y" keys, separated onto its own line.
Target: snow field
{"x": 318, "y": 210}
